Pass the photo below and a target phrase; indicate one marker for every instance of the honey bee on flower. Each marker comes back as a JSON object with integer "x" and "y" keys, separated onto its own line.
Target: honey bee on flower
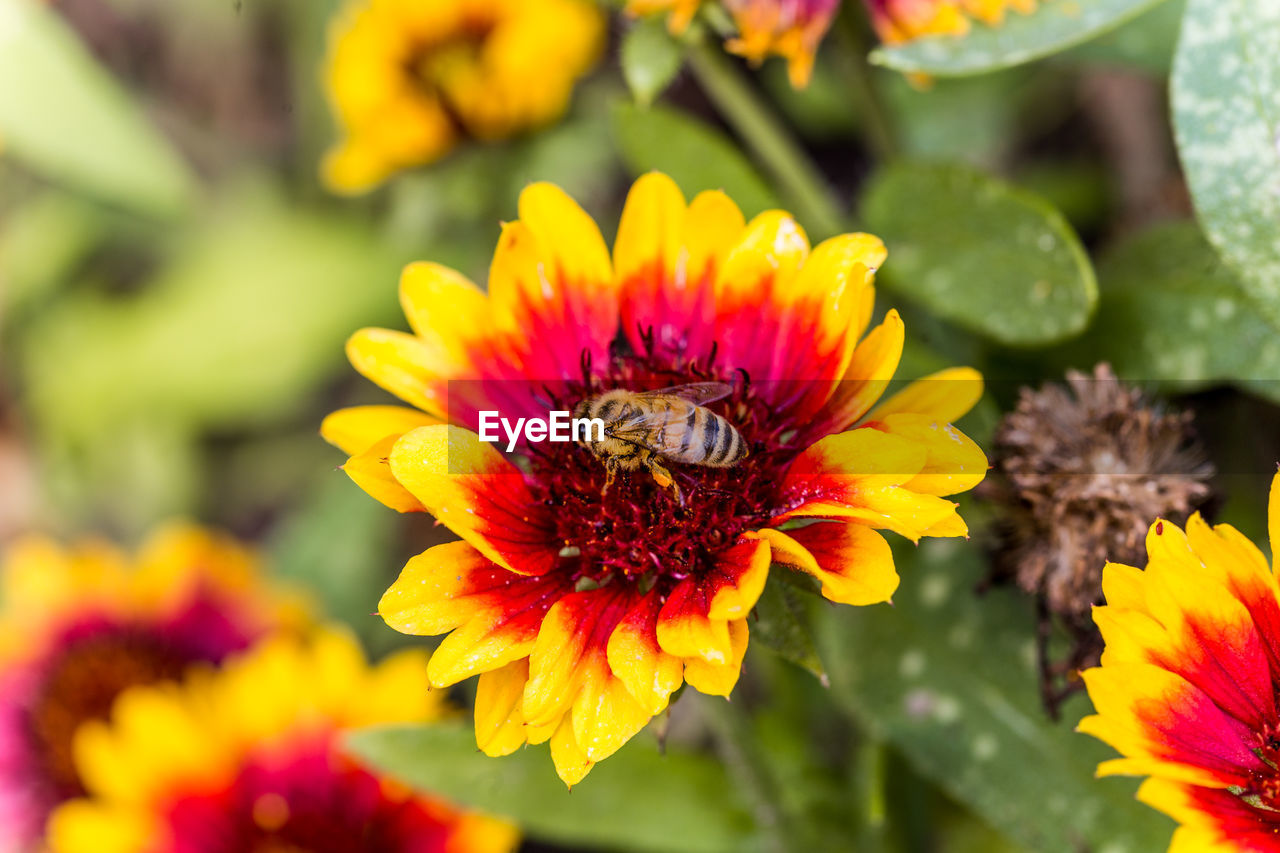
{"x": 583, "y": 607}
{"x": 641, "y": 430}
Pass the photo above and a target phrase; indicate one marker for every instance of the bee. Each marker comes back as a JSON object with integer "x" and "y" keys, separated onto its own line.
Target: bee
{"x": 641, "y": 429}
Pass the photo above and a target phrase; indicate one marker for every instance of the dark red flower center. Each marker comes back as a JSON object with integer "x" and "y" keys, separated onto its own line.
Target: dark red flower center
{"x": 310, "y": 801}
{"x": 635, "y": 530}
{"x": 81, "y": 682}
{"x": 95, "y": 660}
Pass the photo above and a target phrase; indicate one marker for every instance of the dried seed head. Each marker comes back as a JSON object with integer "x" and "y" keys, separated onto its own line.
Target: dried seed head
{"x": 1081, "y": 472}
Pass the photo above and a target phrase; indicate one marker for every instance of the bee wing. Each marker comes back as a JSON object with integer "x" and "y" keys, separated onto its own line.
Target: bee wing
{"x": 653, "y": 430}
{"x": 698, "y": 393}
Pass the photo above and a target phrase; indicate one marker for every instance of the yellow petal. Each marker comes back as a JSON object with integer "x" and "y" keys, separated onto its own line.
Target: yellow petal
{"x": 358, "y": 428}
{"x": 371, "y": 471}
{"x": 90, "y": 826}
{"x": 639, "y": 662}
{"x": 954, "y": 463}
{"x": 476, "y": 493}
{"x": 572, "y": 764}
{"x": 499, "y": 722}
{"x": 718, "y": 679}
{"x": 604, "y": 715}
{"x": 402, "y": 364}
{"x": 740, "y": 577}
{"x": 946, "y": 396}
{"x": 853, "y": 562}
{"x": 438, "y": 590}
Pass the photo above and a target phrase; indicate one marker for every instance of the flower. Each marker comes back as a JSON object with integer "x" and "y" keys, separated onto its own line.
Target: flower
{"x": 1187, "y": 686}
{"x": 249, "y": 758}
{"x": 581, "y": 604}
{"x": 789, "y": 28}
{"x": 409, "y": 80}
{"x": 80, "y": 625}
{"x": 900, "y": 21}
{"x": 1080, "y": 471}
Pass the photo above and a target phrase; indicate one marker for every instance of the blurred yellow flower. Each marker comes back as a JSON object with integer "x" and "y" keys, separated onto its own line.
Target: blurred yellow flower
{"x": 409, "y": 80}
{"x": 81, "y": 625}
{"x": 249, "y": 758}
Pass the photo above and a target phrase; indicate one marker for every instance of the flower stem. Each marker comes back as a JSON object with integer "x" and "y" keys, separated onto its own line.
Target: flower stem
{"x": 749, "y": 770}
{"x": 776, "y": 149}
{"x": 853, "y": 46}
{"x": 869, "y": 770}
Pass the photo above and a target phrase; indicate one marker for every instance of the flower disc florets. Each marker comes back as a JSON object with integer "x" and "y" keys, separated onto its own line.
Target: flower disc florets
{"x": 585, "y": 597}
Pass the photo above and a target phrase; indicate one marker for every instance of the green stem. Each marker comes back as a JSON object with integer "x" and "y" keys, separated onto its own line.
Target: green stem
{"x": 749, "y": 770}
{"x": 775, "y": 148}
{"x": 853, "y": 47}
{"x": 869, "y": 770}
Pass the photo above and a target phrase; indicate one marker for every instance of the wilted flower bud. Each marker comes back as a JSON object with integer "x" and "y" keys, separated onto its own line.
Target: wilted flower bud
{"x": 1081, "y": 471}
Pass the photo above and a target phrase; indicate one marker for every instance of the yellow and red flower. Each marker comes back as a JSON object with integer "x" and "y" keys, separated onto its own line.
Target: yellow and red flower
{"x": 792, "y": 29}
{"x": 898, "y": 21}
{"x": 249, "y": 757}
{"x": 409, "y": 80}
{"x": 79, "y": 626}
{"x": 583, "y": 608}
{"x": 1187, "y": 689}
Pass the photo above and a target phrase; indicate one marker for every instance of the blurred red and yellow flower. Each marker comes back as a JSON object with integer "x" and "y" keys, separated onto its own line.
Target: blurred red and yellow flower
{"x": 249, "y": 757}
{"x": 583, "y": 608}
{"x": 1187, "y": 689}
{"x": 898, "y": 21}
{"x": 80, "y": 625}
{"x": 408, "y": 80}
{"x": 792, "y": 29}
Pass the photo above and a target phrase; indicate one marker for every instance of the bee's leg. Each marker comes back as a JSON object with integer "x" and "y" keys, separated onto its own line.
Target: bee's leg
{"x": 611, "y": 467}
{"x": 663, "y": 478}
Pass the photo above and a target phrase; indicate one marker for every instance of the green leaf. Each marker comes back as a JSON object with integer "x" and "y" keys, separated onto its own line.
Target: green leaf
{"x": 948, "y": 678}
{"x": 782, "y": 624}
{"x": 237, "y": 331}
{"x": 981, "y": 253}
{"x": 41, "y": 243}
{"x": 637, "y": 799}
{"x": 1055, "y": 26}
{"x": 650, "y": 58}
{"x": 1225, "y": 78}
{"x": 63, "y": 115}
{"x": 1146, "y": 43}
{"x": 973, "y": 120}
{"x": 1170, "y": 312}
{"x": 696, "y": 156}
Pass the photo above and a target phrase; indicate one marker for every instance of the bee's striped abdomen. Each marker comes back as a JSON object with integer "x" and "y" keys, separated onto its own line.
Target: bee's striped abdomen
{"x": 724, "y": 445}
